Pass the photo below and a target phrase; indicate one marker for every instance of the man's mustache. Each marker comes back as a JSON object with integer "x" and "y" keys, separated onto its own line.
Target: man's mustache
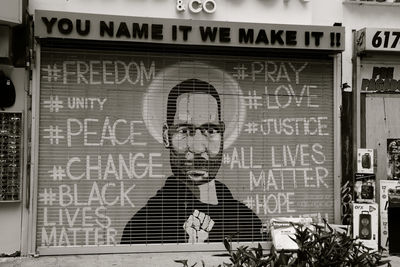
{"x": 198, "y": 162}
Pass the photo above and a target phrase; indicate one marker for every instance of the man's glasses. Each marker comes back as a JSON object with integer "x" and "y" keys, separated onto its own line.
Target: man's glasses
{"x": 207, "y": 130}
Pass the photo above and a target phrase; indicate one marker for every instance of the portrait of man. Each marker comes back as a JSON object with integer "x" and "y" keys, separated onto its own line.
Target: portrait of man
{"x": 192, "y": 206}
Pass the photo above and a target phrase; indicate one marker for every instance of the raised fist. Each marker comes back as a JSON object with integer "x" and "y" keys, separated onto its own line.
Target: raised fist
{"x": 197, "y": 226}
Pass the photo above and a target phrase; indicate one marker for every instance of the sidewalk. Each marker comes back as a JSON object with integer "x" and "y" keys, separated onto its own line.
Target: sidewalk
{"x": 131, "y": 260}
{"x": 394, "y": 260}
{"x": 115, "y": 260}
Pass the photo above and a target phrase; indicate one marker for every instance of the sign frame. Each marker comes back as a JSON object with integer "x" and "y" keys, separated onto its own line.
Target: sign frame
{"x": 378, "y": 39}
{"x": 66, "y": 25}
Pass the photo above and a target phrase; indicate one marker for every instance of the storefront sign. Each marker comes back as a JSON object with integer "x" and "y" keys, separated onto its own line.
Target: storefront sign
{"x": 173, "y": 31}
{"x": 380, "y": 78}
{"x": 371, "y": 39}
{"x": 196, "y": 6}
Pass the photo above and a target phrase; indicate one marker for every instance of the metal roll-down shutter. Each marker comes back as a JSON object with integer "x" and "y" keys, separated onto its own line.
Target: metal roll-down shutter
{"x": 102, "y": 156}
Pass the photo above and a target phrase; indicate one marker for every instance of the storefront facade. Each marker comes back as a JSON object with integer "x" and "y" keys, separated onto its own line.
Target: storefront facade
{"x": 105, "y": 148}
{"x": 377, "y": 72}
{"x": 105, "y": 158}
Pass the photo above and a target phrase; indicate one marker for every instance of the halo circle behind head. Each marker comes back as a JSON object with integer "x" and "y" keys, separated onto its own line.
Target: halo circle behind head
{"x": 233, "y": 111}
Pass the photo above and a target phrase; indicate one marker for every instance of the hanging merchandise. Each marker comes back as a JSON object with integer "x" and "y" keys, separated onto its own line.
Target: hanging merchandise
{"x": 10, "y": 156}
{"x": 365, "y": 224}
{"x": 364, "y": 188}
{"x": 7, "y": 91}
{"x": 394, "y": 220}
{"x": 393, "y": 158}
{"x": 365, "y": 160}
{"x": 387, "y": 188}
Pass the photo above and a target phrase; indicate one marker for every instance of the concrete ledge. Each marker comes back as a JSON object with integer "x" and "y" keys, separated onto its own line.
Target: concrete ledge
{"x": 117, "y": 260}
{"x": 142, "y": 259}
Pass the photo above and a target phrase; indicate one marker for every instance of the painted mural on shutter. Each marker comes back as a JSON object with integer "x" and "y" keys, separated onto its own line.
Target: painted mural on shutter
{"x": 243, "y": 140}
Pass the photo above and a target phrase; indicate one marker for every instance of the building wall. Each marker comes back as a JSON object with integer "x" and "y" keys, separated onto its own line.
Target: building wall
{"x": 356, "y": 17}
{"x": 326, "y": 12}
{"x": 275, "y": 11}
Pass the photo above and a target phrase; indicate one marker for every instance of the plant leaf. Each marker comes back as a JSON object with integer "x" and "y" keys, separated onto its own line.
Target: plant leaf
{"x": 227, "y": 245}
{"x": 184, "y": 262}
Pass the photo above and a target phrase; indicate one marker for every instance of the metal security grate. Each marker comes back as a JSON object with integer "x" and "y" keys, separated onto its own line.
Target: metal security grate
{"x": 10, "y": 156}
{"x": 105, "y": 173}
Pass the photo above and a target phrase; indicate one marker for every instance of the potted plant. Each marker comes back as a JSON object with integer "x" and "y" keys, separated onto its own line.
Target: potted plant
{"x": 319, "y": 245}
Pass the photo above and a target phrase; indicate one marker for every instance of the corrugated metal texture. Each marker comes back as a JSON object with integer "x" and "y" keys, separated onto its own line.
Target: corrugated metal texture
{"x": 101, "y": 156}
